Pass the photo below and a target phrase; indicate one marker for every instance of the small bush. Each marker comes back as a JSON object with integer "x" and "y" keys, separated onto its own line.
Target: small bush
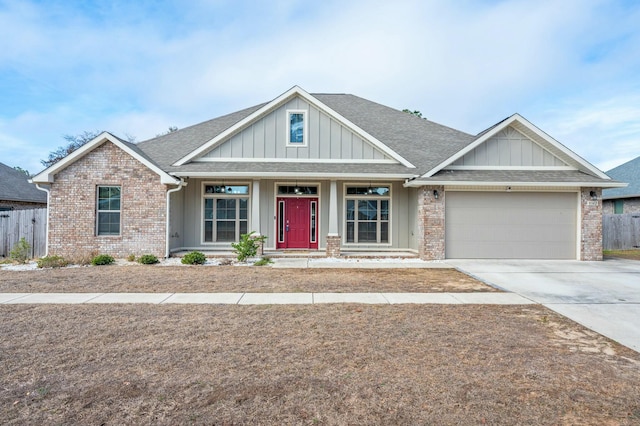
{"x": 148, "y": 259}
{"x": 131, "y": 258}
{"x": 102, "y": 259}
{"x": 194, "y": 258}
{"x": 80, "y": 257}
{"x": 263, "y": 262}
{"x": 52, "y": 262}
{"x": 247, "y": 246}
{"x": 20, "y": 251}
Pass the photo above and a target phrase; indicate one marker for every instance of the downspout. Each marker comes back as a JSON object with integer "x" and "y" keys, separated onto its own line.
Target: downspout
{"x": 168, "y": 233}
{"x": 46, "y": 239}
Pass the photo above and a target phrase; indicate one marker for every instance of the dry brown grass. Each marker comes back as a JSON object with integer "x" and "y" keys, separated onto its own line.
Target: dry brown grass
{"x": 302, "y": 364}
{"x": 310, "y": 364}
{"x": 216, "y": 279}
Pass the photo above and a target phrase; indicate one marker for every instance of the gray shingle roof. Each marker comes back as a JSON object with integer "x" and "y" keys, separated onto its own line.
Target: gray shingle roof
{"x": 14, "y": 186}
{"x": 628, "y": 172}
{"x": 515, "y": 176}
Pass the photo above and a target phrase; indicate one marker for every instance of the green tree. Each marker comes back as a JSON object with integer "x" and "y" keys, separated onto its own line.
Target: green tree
{"x": 73, "y": 143}
{"x": 415, "y": 112}
{"x": 20, "y": 169}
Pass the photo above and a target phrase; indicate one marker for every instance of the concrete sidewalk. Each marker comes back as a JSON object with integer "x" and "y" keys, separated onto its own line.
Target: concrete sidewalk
{"x": 266, "y": 298}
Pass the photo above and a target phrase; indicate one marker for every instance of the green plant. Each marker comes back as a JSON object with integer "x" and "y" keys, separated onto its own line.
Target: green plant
{"x": 102, "y": 259}
{"x": 131, "y": 258}
{"x": 52, "y": 262}
{"x": 248, "y": 245}
{"x": 148, "y": 259}
{"x": 20, "y": 251}
{"x": 194, "y": 258}
{"x": 262, "y": 262}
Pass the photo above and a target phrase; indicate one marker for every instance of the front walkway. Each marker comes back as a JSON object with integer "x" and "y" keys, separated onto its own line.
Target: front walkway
{"x": 266, "y": 298}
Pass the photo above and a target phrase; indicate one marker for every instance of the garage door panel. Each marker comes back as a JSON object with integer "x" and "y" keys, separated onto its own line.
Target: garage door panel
{"x": 511, "y": 225}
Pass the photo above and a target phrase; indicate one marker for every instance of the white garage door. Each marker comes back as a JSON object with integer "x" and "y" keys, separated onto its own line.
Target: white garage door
{"x": 510, "y": 225}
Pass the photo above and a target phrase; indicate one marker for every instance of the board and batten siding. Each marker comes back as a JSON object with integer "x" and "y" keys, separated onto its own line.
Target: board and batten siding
{"x": 509, "y": 148}
{"x": 267, "y": 138}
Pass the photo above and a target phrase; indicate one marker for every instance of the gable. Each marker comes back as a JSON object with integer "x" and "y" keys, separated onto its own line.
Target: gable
{"x": 509, "y": 148}
{"x": 266, "y": 138}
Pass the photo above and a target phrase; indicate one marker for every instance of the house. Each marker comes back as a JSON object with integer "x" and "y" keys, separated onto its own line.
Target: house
{"x": 16, "y": 193}
{"x": 333, "y": 173}
{"x": 623, "y": 200}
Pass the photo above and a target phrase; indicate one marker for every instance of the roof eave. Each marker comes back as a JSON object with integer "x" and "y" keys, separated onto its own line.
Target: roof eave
{"x": 418, "y": 183}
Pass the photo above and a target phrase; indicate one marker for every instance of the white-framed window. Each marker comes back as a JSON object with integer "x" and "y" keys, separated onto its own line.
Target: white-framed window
{"x": 108, "y": 209}
{"x": 225, "y": 212}
{"x": 297, "y": 127}
{"x": 367, "y": 214}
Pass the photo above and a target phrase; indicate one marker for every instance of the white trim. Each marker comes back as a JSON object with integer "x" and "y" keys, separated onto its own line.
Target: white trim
{"x": 291, "y": 175}
{"x": 418, "y": 183}
{"x": 525, "y": 168}
{"x": 305, "y": 129}
{"x": 98, "y": 211}
{"x": 271, "y": 106}
{"x": 48, "y": 174}
{"x": 346, "y": 196}
{"x": 204, "y": 195}
{"x": 517, "y": 118}
{"x": 317, "y": 196}
{"x": 293, "y": 160}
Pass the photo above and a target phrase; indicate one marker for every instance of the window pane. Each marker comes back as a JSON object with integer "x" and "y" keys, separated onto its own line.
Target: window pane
{"x": 367, "y": 232}
{"x": 367, "y": 209}
{"x": 296, "y": 129}
{"x": 243, "y": 227}
{"x": 384, "y": 209}
{"x": 208, "y": 231}
{"x": 384, "y": 232}
{"x": 351, "y": 208}
{"x": 226, "y": 208}
{"x": 108, "y": 223}
{"x": 225, "y": 230}
{"x": 243, "y": 208}
{"x": 350, "y": 233}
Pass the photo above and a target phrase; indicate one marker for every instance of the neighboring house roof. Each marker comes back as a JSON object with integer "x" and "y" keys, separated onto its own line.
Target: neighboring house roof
{"x": 15, "y": 186}
{"x": 627, "y": 172}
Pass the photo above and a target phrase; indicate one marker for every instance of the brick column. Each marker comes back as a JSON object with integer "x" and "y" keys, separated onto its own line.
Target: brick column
{"x": 591, "y": 224}
{"x": 333, "y": 245}
{"x": 431, "y": 222}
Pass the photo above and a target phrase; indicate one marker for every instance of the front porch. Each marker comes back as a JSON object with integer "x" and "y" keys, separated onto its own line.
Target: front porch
{"x": 275, "y": 254}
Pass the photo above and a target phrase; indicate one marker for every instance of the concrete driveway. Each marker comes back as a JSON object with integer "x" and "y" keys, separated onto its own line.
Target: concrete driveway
{"x": 603, "y": 296}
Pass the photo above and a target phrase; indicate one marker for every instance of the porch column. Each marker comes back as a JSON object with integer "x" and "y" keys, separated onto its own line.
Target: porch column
{"x": 333, "y": 238}
{"x": 431, "y": 223}
{"x": 591, "y": 224}
{"x": 255, "y": 212}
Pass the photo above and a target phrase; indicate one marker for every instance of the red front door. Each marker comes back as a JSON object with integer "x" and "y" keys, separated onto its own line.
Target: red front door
{"x": 297, "y": 223}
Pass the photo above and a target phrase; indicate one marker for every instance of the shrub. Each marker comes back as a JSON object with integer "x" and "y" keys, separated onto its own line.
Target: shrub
{"x": 80, "y": 257}
{"x": 131, "y": 258}
{"x": 20, "y": 251}
{"x": 247, "y": 246}
{"x": 52, "y": 262}
{"x": 262, "y": 262}
{"x": 148, "y": 259}
{"x": 194, "y": 258}
{"x": 102, "y": 259}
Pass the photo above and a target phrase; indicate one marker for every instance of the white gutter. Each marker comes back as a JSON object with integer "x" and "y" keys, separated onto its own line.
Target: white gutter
{"x": 46, "y": 239}
{"x": 168, "y": 231}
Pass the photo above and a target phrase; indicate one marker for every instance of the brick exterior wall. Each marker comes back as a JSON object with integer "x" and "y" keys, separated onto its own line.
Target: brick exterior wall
{"x": 72, "y": 207}
{"x": 333, "y": 245}
{"x": 431, "y": 223}
{"x": 591, "y": 224}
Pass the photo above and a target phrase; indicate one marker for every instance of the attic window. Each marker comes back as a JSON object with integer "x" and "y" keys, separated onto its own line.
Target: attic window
{"x": 297, "y": 127}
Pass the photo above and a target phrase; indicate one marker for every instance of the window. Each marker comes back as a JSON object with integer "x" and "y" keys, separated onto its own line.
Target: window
{"x": 367, "y": 214}
{"x": 296, "y": 128}
{"x": 618, "y": 206}
{"x": 108, "y": 217}
{"x": 225, "y": 212}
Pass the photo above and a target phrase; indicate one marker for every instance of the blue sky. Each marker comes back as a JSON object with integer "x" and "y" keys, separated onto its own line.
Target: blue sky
{"x": 135, "y": 68}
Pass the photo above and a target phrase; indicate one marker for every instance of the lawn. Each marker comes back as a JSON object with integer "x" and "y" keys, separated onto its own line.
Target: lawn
{"x": 305, "y": 364}
{"x": 624, "y": 254}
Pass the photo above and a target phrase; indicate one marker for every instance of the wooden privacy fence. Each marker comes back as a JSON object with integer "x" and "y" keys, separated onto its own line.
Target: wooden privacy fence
{"x": 621, "y": 231}
{"x": 30, "y": 224}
